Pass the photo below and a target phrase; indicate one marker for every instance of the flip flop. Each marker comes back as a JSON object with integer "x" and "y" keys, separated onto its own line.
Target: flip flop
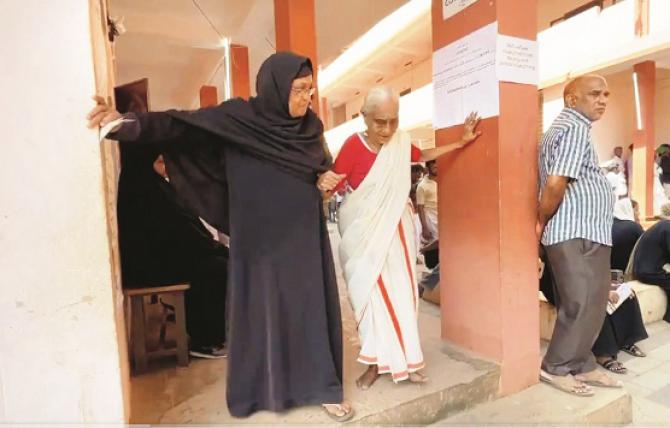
{"x": 567, "y": 384}
{"x": 634, "y": 350}
{"x": 347, "y": 415}
{"x": 614, "y": 366}
{"x": 599, "y": 381}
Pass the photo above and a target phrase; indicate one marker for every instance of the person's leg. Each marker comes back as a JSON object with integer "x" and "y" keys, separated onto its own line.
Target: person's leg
{"x": 206, "y": 303}
{"x": 606, "y": 343}
{"x": 606, "y": 348}
{"x": 628, "y": 326}
{"x": 596, "y": 259}
{"x": 580, "y": 303}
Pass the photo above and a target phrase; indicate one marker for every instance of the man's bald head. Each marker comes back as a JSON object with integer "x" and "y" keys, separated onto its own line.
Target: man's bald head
{"x": 587, "y": 94}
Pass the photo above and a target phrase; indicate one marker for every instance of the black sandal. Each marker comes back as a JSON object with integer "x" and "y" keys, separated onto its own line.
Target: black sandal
{"x": 614, "y": 366}
{"x": 634, "y": 350}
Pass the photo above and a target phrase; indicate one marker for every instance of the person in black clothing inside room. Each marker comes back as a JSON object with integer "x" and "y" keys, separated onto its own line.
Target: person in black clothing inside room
{"x": 624, "y": 327}
{"x": 652, "y": 255}
{"x": 163, "y": 243}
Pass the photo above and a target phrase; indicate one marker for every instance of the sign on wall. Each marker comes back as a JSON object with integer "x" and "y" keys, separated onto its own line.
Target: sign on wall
{"x": 464, "y": 78}
{"x": 452, "y": 7}
{"x": 466, "y": 74}
{"x": 516, "y": 60}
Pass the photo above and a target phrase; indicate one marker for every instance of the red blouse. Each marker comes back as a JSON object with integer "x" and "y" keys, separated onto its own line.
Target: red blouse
{"x": 355, "y": 161}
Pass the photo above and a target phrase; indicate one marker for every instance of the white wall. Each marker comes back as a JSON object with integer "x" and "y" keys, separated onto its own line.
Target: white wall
{"x": 550, "y": 10}
{"x": 418, "y": 75}
{"x": 59, "y": 354}
{"x": 617, "y": 126}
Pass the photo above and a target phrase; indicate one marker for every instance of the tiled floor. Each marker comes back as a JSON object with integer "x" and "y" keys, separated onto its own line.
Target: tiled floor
{"x": 648, "y": 379}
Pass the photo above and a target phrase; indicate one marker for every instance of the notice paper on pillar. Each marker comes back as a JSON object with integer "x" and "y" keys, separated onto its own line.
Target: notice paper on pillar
{"x": 452, "y": 7}
{"x": 464, "y": 78}
{"x": 516, "y": 60}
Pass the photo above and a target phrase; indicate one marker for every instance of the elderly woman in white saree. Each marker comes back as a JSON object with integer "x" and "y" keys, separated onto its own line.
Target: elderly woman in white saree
{"x": 378, "y": 249}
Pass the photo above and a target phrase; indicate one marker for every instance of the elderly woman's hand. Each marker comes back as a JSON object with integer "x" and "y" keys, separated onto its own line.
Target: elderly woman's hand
{"x": 470, "y": 132}
{"x": 102, "y": 114}
{"x": 328, "y": 181}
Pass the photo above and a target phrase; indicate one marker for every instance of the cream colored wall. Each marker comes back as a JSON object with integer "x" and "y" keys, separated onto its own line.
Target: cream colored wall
{"x": 550, "y": 10}
{"x": 617, "y": 126}
{"x": 59, "y": 354}
{"x": 418, "y": 75}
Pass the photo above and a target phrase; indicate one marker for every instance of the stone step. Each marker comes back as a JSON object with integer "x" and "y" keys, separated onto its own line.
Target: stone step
{"x": 543, "y": 405}
{"x": 457, "y": 381}
{"x": 653, "y": 303}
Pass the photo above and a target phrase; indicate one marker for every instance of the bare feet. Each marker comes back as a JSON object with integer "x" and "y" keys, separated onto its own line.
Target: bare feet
{"x": 368, "y": 377}
{"x": 418, "y": 377}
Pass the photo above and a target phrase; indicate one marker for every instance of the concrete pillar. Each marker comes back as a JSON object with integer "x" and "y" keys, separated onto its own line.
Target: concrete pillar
{"x": 295, "y": 31}
{"x": 63, "y": 357}
{"x": 487, "y": 212}
{"x": 644, "y": 138}
{"x": 208, "y": 96}
{"x": 240, "y": 71}
{"x": 641, "y": 17}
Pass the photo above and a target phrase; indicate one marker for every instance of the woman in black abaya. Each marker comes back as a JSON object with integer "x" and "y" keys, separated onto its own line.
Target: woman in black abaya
{"x": 250, "y": 169}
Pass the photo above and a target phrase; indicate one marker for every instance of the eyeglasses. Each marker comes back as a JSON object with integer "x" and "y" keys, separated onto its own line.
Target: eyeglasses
{"x": 303, "y": 91}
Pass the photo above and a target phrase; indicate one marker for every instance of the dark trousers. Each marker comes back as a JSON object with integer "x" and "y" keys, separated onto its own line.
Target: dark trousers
{"x": 623, "y": 328}
{"x": 432, "y": 258}
{"x": 581, "y": 272}
{"x": 206, "y": 302}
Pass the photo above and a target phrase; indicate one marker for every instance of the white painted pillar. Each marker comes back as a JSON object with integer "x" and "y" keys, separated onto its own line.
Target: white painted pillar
{"x": 62, "y": 357}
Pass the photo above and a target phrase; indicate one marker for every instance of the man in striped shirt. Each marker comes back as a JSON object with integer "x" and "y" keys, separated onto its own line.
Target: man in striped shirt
{"x": 575, "y": 226}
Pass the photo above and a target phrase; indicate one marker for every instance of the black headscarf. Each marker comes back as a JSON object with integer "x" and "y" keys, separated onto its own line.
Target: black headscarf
{"x": 261, "y": 127}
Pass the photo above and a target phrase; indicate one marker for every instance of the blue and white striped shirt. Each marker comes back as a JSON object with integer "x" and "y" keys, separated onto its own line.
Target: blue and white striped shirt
{"x": 586, "y": 211}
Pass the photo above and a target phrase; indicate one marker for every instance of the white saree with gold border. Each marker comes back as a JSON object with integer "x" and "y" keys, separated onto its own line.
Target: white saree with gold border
{"x": 378, "y": 256}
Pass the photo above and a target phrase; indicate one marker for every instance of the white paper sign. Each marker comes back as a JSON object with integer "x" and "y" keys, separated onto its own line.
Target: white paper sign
{"x": 464, "y": 78}
{"x": 452, "y": 7}
{"x": 516, "y": 60}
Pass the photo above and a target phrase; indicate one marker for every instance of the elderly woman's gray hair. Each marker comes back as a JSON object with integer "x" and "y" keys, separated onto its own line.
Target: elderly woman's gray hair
{"x": 378, "y": 95}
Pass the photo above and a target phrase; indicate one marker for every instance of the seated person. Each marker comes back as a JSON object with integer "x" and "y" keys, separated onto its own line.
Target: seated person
{"x": 653, "y": 253}
{"x": 624, "y": 327}
{"x": 162, "y": 243}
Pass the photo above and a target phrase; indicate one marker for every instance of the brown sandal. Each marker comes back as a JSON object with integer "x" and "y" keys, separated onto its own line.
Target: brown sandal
{"x": 634, "y": 350}
{"x": 599, "y": 379}
{"x": 614, "y": 366}
{"x": 343, "y": 412}
{"x": 567, "y": 384}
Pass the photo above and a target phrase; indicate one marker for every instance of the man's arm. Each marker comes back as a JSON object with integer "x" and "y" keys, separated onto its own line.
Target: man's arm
{"x": 552, "y": 196}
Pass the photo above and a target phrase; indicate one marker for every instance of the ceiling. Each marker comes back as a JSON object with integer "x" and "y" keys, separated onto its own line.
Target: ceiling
{"x": 177, "y": 43}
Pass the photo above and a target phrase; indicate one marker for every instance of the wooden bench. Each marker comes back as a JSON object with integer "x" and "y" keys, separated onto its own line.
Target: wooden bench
{"x": 138, "y": 339}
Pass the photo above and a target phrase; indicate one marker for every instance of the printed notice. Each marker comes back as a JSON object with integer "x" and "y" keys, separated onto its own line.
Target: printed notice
{"x": 464, "y": 78}
{"x": 452, "y": 7}
{"x": 516, "y": 60}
